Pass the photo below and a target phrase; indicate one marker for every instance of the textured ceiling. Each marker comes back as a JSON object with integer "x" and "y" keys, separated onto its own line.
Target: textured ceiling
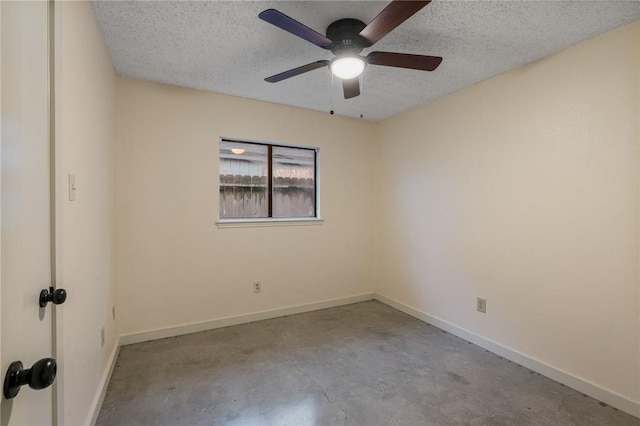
{"x": 222, "y": 46}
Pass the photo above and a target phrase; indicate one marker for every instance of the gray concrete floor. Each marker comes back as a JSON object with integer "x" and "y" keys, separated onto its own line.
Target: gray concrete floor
{"x": 361, "y": 364}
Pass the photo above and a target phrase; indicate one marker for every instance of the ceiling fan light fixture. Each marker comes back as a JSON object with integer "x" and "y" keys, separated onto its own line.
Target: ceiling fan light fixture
{"x": 347, "y": 67}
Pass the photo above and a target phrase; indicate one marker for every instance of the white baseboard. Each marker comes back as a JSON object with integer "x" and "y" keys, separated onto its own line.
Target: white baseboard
{"x": 104, "y": 384}
{"x": 162, "y": 333}
{"x": 605, "y": 395}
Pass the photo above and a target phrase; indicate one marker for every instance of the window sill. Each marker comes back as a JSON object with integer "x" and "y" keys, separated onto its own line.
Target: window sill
{"x": 252, "y": 223}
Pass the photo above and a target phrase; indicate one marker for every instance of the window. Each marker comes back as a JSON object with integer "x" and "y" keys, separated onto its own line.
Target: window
{"x": 263, "y": 180}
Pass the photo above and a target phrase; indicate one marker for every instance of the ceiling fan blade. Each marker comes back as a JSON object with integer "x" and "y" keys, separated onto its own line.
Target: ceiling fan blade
{"x": 393, "y": 15}
{"x": 296, "y": 71}
{"x": 404, "y": 60}
{"x": 288, "y": 24}
{"x": 351, "y": 87}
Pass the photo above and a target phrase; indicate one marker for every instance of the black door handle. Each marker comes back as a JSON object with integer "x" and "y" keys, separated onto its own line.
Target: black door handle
{"x": 41, "y": 375}
{"x": 57, "y": 296}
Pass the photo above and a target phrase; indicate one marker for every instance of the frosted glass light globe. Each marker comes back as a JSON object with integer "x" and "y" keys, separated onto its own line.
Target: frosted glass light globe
{"x": 347, "y": 67}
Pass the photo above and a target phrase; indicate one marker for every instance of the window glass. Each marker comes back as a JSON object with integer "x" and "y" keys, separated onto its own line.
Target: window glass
{"x": 243, "y": 180}
{"x": 293, "y": 182}
{"x": 261, "y": 180}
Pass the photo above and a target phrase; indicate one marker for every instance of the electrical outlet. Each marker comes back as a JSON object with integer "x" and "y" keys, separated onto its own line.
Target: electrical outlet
{"x": 481, "y": 305}
{"x": 257, "y": 287}
{"x": 102, "y": 336}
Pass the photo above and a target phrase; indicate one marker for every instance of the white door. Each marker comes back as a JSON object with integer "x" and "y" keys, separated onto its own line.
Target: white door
{"x": 25, "y": 256}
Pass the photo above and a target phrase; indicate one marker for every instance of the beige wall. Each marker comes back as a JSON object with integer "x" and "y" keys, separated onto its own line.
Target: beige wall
{"x": 524, "y": 190}
{"x": 86, "y": 90}
{"x": 175, "y": 266}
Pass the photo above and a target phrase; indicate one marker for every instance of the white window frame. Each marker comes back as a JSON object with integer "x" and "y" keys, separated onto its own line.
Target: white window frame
{"x": 270, "y": 221}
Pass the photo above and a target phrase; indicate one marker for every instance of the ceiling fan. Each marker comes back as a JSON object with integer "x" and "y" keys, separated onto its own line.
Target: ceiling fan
{"x": 347, "y": 37}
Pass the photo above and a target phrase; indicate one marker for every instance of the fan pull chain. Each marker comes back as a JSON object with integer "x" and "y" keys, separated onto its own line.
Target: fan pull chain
{"x": 361, "y": 100}
{"x": 332, "y": 87}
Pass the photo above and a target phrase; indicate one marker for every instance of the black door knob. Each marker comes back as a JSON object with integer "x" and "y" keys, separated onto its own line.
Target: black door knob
{"x": 56, "y": 296}
{"x": 41, "y": 375}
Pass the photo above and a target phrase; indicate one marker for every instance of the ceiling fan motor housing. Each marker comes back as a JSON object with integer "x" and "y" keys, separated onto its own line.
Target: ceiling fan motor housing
{"x": 345, "y": 34}
{"x": 346, "y": 38}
